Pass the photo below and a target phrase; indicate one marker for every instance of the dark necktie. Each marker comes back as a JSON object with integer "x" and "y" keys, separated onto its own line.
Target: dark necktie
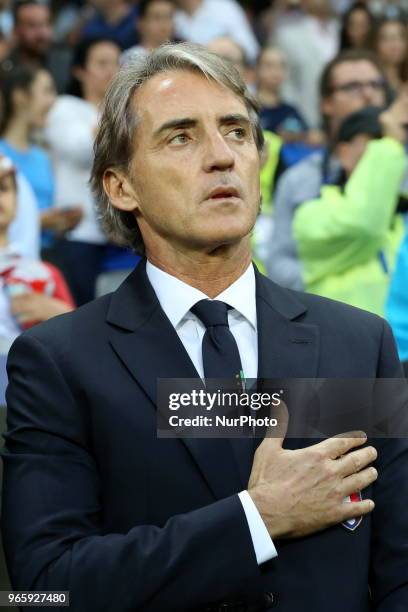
{"x": 220, "y": 351}
{"x": 221, "y": 360}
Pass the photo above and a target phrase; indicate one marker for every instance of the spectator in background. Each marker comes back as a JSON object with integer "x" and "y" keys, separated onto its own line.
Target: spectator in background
{"x": 389, "y": 9}
{"x": 308, "y": 43}
{"x": 33, "y": 41}
{"x": 113, "y": 19}
{"x": 70, "y": 134}
{"x": 348, "y": 237}
{"x": 67, "y": 15}
{"x": 30, "y": 290}
{"x": 397, "y": 306}
{"x": 25, "y": 230}
{"x": 391, "y": 46}
{"x": 201, "y": 21}
{"x": 351, "y": 81}
{"x": 27, "y": 96}
{"x": 32, "y": 33}
{"x": 276, "y": 115}
{"x": 226, "y": 47}
{"x": 357, "y": 28}
{"x": 155, "y": 26}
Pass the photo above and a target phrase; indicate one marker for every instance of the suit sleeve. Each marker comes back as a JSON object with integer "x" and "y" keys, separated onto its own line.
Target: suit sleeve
{"x": 389, "y": 558}
{"x": 52, "y": 509}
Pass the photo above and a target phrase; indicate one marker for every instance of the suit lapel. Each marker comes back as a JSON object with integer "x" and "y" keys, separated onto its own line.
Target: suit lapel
{"x": 287, "y": 347}
{"x": 149, "y": 347}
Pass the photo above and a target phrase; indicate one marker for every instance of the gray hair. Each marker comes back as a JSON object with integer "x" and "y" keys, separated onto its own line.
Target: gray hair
{"x": 114, "y": 142}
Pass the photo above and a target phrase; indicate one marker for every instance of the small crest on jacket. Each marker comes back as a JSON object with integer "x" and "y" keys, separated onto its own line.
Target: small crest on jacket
{"x": 352, "y": 523}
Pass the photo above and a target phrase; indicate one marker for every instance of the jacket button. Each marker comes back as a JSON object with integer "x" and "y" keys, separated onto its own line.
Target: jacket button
{"x": 268, "y": 600}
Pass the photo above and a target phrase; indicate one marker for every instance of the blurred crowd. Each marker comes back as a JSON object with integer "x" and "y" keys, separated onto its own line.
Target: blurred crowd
{"x": 330, "y": 77}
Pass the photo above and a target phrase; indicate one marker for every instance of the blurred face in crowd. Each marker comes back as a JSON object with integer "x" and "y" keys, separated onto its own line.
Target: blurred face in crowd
{"x": 35, "y": 103}
{"x": 228, "y": 49}
{"x": 271, "y": 70}
{"x": 392, "y": 43}
{"x": 33, "y": 29}
{"x": 8, "y": 200}
{"x": 101, "y": 66}
{"x": 317, "y": 8}
{"x": 156, "y": 26}
{"x": 354, "y": 85}
{"x": 358, "y": 28}
{"x": 194, "y": 182}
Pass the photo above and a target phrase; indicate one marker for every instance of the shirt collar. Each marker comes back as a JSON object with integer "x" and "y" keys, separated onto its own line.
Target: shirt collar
{"x": 177, "y": 297}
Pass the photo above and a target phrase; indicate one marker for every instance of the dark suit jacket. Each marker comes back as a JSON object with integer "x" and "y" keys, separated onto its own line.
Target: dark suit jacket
{"x": 95, "y": 504}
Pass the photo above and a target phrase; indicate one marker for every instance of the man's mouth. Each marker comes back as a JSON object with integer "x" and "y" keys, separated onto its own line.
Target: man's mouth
{"x": 223, "y": 192}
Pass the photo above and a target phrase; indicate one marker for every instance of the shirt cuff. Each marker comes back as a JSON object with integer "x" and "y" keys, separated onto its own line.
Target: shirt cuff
{"x": 263, "y": 545}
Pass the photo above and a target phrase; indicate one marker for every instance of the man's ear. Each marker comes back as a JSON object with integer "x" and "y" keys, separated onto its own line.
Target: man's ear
{"x": 119, "y": 190}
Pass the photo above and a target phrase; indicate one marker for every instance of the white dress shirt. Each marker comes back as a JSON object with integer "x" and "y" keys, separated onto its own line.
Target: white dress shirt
{"x": 176, "y": 299}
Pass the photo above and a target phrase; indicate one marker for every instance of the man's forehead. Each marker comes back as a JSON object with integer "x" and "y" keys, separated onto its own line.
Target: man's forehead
{"x": 355, "y": 70}
{"x": 34, "y": 18}
{"x": 33, "y": 10}
{"x": 184, "y": 93}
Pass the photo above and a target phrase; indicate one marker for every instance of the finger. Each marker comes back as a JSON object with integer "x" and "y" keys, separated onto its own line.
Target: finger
{"x": 355, "y": 461}
{"x": 350, "y": 510}
{"x": 358, "y": 482}
{"x": 339, "y": 445}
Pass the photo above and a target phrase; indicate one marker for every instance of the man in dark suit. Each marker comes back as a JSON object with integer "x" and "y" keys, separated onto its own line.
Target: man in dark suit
{"x": 94, "y": 502}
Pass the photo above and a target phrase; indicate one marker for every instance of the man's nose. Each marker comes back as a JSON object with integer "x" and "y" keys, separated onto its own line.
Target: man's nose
{"x": 368, "y": 96}
{"x": 218, "y": 155}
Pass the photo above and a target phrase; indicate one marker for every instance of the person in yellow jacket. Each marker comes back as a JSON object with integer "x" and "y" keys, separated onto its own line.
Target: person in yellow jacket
{"x": 272, "y": 167}
{"x": 348, "y": 237}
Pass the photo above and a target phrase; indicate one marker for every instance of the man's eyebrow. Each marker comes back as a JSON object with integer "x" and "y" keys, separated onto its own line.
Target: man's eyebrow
{"x": 235, "y": 118}
{"x": 183, "y": 122}
{"x": 188, "y": 122}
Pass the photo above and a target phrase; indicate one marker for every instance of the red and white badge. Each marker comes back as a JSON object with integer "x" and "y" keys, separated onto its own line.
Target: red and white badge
{"x": 352, "y": 523}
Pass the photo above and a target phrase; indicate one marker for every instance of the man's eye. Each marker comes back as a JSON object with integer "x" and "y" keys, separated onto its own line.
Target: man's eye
{"x": 239, "y": 132}
{"x": 179, "y": 139}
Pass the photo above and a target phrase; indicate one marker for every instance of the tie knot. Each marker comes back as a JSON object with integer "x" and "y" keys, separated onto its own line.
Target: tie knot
{"x": 211, "y": 312}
